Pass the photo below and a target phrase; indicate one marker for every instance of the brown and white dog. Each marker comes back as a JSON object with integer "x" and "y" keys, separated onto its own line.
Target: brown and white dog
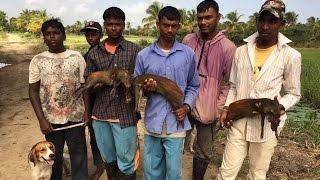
{"x": 41, "y": 159}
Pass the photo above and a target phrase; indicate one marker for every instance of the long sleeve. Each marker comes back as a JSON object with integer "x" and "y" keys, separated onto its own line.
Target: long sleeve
{"x": 138, "y": 69}
{"x": 193, "y": 84}
{"x": 232, "y": 82}
{"x": 291, "y": 83}
{"x": 224, "y": 83}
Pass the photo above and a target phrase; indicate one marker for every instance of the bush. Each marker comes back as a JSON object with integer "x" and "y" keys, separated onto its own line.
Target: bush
{"x": 144, "y": 43}
{"x": 3, "y": 35}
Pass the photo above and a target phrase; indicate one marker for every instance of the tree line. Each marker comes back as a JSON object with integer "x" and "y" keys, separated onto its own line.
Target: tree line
{"x": 302, "y": 34}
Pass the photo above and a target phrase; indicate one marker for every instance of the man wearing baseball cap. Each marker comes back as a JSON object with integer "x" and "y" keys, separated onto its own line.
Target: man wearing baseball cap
{"x": 261, "y": 68}
{"x": 93, "y": 32}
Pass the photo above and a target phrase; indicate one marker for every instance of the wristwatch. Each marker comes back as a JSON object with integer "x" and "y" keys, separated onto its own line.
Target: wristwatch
{"x": 187, "y": 106}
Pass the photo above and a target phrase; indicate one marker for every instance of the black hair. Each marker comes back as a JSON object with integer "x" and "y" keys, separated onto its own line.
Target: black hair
{"x": 171, "y": 13}
{"x": 55, "y": 23}
{"x": 206, "y": 4}
{"x": 114, "y": 12}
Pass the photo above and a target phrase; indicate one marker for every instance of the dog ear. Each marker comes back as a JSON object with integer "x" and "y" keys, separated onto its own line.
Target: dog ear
{"x": 32, "y": 156}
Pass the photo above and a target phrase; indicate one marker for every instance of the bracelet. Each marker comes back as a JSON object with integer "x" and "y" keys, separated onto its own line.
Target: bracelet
{"x": 188, "y": 107}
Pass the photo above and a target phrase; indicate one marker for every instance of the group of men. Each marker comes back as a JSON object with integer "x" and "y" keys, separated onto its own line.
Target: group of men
{"x": 207, "y": 67}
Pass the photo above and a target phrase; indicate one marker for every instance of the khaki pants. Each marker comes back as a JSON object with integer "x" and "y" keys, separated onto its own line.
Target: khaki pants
{"x": 237, "y": 149}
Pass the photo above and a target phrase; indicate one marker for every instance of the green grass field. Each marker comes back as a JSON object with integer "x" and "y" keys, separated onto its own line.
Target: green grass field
{"x": 308, "y": 123}
{"x": 310, "y": 76}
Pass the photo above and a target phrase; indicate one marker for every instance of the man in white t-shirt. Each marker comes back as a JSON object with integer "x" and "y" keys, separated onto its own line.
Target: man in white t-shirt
{"x": 54, "y": 75}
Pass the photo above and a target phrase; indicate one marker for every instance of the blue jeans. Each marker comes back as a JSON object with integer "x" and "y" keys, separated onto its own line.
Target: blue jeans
{"x": 162, "y": 158}
{"x": 116, "y": 144}
{"x": 76, "y": 142}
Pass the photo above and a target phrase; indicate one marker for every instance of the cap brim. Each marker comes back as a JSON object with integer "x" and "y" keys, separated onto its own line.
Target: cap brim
{"x": 89, "y": 28}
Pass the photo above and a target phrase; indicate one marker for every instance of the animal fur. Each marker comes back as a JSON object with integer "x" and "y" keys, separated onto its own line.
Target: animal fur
{"x": 41, "y": 159}
{"x": 252, "y": 107}
{"x": 109, "y": 77}
{"x": 166, "y": 87}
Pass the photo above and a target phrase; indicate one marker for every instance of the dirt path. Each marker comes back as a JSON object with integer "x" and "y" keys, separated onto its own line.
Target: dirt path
{"x": 19, "y": 128}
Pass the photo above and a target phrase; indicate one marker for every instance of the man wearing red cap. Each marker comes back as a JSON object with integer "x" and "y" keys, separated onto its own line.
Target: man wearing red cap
{"x": 262, "y": 68}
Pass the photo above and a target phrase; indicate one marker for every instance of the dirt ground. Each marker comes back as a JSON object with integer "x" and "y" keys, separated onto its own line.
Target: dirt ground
{"x": 19, "y": 129}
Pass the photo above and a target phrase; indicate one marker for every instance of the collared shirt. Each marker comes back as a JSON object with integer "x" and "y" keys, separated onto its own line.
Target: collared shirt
{"x": 105, "y": 106}
{"x": 214, "y": 69}
{"x": 60, "y": 74}
{"x": 179, "y": 66}
{"x": 280, "y": 73}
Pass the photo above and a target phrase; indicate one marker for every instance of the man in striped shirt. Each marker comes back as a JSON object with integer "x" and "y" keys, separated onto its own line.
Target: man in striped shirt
{"x": 262, "y": 68}
{"x": 114, "y": 120}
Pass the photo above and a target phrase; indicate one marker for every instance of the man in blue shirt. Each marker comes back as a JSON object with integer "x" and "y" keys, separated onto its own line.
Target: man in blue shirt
{"x": 163, "y": 141}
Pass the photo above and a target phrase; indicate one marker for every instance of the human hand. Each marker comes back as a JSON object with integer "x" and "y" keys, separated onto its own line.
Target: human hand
{"x": 282, "y": 110}
{"x": 45, "y": 127}
{"x": 222, "y": 119}
{"x": 86, "y": 119}
{"x": 98, "y": 85}
{"x": 150, "y": 85}
{"x": 181, "y": 113}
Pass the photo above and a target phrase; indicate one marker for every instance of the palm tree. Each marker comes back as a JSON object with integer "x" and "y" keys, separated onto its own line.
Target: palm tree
{"x": 252, "y": 20}
{"x": 128, "y": 27}
{"x": 291, "y": 18}
{"x": 152, "y": 11}
{"x": 311, "y": 20}
{"x": 233, "y": 20}
{"x": 192, "y": 18}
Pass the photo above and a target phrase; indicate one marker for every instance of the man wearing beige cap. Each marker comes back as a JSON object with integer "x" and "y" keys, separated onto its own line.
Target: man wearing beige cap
{"x": 261, "y": 68}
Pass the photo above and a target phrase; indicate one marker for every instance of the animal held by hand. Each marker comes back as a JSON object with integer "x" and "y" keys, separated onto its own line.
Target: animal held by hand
{"x": 166, "y": 87}
{"x": 110, "y": 77}
{"x": 253, "y": 107}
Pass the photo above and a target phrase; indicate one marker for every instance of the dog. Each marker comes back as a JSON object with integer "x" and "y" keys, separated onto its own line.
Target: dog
{"x": 41, "y": 158}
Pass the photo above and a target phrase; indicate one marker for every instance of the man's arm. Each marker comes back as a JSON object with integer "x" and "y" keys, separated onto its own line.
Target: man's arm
{"x": 138, "y": 68}
{"x": 193, "y": 84}
{"x": 232, "y": 81}
{"x": 34, "y": 89}
{"x": 87, "y": 107}
{"x": 85, "y": 70}
{"x": 224, "y": 83}
{"x": 291, "y": 83}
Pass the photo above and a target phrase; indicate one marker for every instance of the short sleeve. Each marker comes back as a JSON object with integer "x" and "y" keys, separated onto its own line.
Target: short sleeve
{"x": 34, "y": 72}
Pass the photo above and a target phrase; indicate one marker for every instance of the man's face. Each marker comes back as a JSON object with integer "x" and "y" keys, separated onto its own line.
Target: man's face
{"x": 93, "y": 37}
{"x": 168, "y": 28}
{"x": 268, "y": 26}
{"x": 114, "y": 27}
{"x": 54, "y": 38}
{"x": 208, "y": 20}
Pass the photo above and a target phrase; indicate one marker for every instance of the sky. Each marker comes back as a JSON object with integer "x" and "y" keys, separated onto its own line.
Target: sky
{"x": 72, "y": 10}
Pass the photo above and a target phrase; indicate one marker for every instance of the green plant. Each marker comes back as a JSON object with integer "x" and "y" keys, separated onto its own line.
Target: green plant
{"x": 144, "y": 42}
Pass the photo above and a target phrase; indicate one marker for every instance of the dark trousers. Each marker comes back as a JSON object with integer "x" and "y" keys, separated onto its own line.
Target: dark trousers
{"x": 203, "y": 145}
{"x": 97, "y": 159}
{"x": 76, "y": 142}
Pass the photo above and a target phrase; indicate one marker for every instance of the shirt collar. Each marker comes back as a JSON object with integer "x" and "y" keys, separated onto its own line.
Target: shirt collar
{"x": 121, "y": 45}
{"x": 176, "y": 47}
{"x": 216, "y": 38}
{"x": 282, "y": 40}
